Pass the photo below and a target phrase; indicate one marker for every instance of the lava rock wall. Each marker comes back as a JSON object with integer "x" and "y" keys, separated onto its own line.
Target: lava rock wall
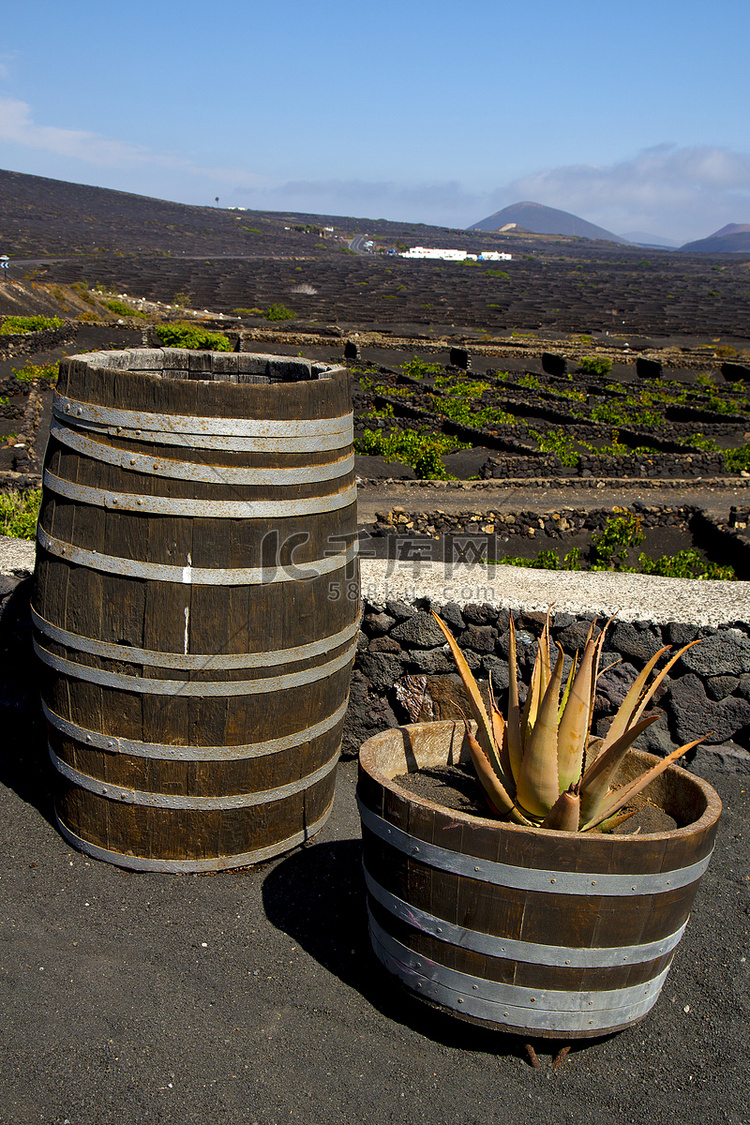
{"x": 403, "y": 672}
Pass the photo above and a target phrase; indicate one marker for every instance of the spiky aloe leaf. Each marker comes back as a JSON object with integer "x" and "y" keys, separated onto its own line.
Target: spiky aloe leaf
{"x": 627, "y": 708}
{"x": 497, "y": 795}
{"x": 600, "y": 774}
{"x": 537, "y": 786}
{"x": 513, "y": 727}
{"x": 543, "y": 656}
{"x": 639, "y": 696}
{"x": 575, "y": 724}
{"x": 499, "y": 728}
{"x": 622, "y": 796}
{"x": 565, "y": 814}
{"x": 478, "y": 710}
{"x": 616, "y": 820}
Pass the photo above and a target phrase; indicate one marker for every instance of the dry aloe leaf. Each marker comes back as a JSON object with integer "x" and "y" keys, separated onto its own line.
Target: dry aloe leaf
{"x": 649, "y": 694}
{"x": 564, "y": 816}
{"x": 599, "y": 776}
{"x": 499, "y": 728}
{"x": 614, "y": 821}
{"x": 543, "y": 656}
{"x": 538, "y": 786}
{"x": 478, "y": 710}
{"x": 627, "y": 708}
{"x": 622, "y": 796}
{"x": 568, "y": 688}
{"x": 496, "y": 793}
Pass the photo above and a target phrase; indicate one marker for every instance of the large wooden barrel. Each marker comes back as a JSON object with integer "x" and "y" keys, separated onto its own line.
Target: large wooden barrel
{"x": 528, "y": 931}
{"x": 196, "y": 602}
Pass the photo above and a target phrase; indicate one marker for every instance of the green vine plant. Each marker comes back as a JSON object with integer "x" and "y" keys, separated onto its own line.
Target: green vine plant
{"x": 559, "y": 443}
{"x": 610, "y": 546}
{"x": 20, "y": 325}
{"x": 609, "y": 550}
{"x": 19, "y": 512}
{"x": 417, "y": 368}
{"x": 596, "y": 365}
{"x": 422, "y": 451}
{"x": 191, "y": 336}
{"x": 122, "y": 308}
{"x": 31, "y": 371}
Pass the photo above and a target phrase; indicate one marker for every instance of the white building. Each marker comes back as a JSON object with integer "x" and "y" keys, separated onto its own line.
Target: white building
{"x": 454, "y": 255}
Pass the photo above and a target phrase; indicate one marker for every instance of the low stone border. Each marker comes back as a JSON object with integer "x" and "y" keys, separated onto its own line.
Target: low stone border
{"x": 28, "y": 343}
{"x": 698, "y": 465}
{"x": 493, "y": 528}
{"x": 558, "y": 482}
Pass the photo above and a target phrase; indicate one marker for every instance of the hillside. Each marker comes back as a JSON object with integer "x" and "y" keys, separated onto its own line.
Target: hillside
{"x": 538, "y": 219}
{"x": 70, "y": 243}
{"x": 42, "y": 218}
{"x": 734, "y": 238}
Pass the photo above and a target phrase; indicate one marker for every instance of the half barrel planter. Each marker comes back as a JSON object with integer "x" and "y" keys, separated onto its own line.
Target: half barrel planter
{"x": 531, "y": 932}
{"x": 196, "y": 604}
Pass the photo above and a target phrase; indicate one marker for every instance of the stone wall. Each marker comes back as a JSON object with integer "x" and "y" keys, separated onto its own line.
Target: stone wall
{"x": 404, "y": 673}
{"x": 46, "y": 340}
{"x": 658, "y": 464}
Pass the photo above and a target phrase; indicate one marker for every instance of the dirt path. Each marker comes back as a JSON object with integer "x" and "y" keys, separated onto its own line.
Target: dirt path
{"x": 425, "y": 496}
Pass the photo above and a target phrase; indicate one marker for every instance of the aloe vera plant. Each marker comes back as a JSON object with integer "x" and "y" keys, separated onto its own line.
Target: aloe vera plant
{"x": 541, "y": 766}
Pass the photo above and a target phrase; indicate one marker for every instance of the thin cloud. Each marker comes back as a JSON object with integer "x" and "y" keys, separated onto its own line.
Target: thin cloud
{"x": 445, "y": 204}
{"x": 17, "y": 126}
{"x": 681, "y": 192}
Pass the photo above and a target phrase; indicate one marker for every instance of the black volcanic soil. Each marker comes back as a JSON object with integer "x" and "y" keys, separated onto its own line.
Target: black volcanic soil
{"x": 456, "y": 787}
{"x": 614, "y": 292}
{"x": 250, "y": 259}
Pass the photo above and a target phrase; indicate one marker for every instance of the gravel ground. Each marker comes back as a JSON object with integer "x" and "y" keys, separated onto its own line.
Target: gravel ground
{"x": 253, "y": 997}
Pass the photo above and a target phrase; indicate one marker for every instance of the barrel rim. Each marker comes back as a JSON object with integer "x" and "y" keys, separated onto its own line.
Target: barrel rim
{"x": 368, "y": 761}
{"x": 154, "y": 362}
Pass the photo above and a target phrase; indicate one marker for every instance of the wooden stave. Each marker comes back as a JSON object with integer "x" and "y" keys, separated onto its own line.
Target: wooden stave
{"x": 320, "y": 753}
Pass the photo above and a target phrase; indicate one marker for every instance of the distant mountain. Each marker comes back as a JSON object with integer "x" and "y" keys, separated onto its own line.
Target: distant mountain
{"x": 538, "y": 219}
{"x": 734, "y": 238}
{"x": 643, "y": 238}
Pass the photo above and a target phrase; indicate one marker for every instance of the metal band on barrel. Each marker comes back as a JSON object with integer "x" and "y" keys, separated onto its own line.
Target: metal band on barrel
{"x": 136, "y": 420}
{"x": 510, "y": 1004}
{"x": 189, "y": 866}
{"x": 202, "y": 662}
{"x": 530, "y": 878}
{"x": 182, "y": 753}
{"x": 219, "y": 442}
{"x": 560, "y": 956}
{"x": 194, "y": 575}
{"x": 198, "y": 688}
{"x": 195, "y": 471}
{"x": 127, "y": 796}
{"x": 208, "y": 509}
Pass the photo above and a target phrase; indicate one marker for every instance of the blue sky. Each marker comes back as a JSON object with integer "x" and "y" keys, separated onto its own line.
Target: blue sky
{"x": 633, "y": 115}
